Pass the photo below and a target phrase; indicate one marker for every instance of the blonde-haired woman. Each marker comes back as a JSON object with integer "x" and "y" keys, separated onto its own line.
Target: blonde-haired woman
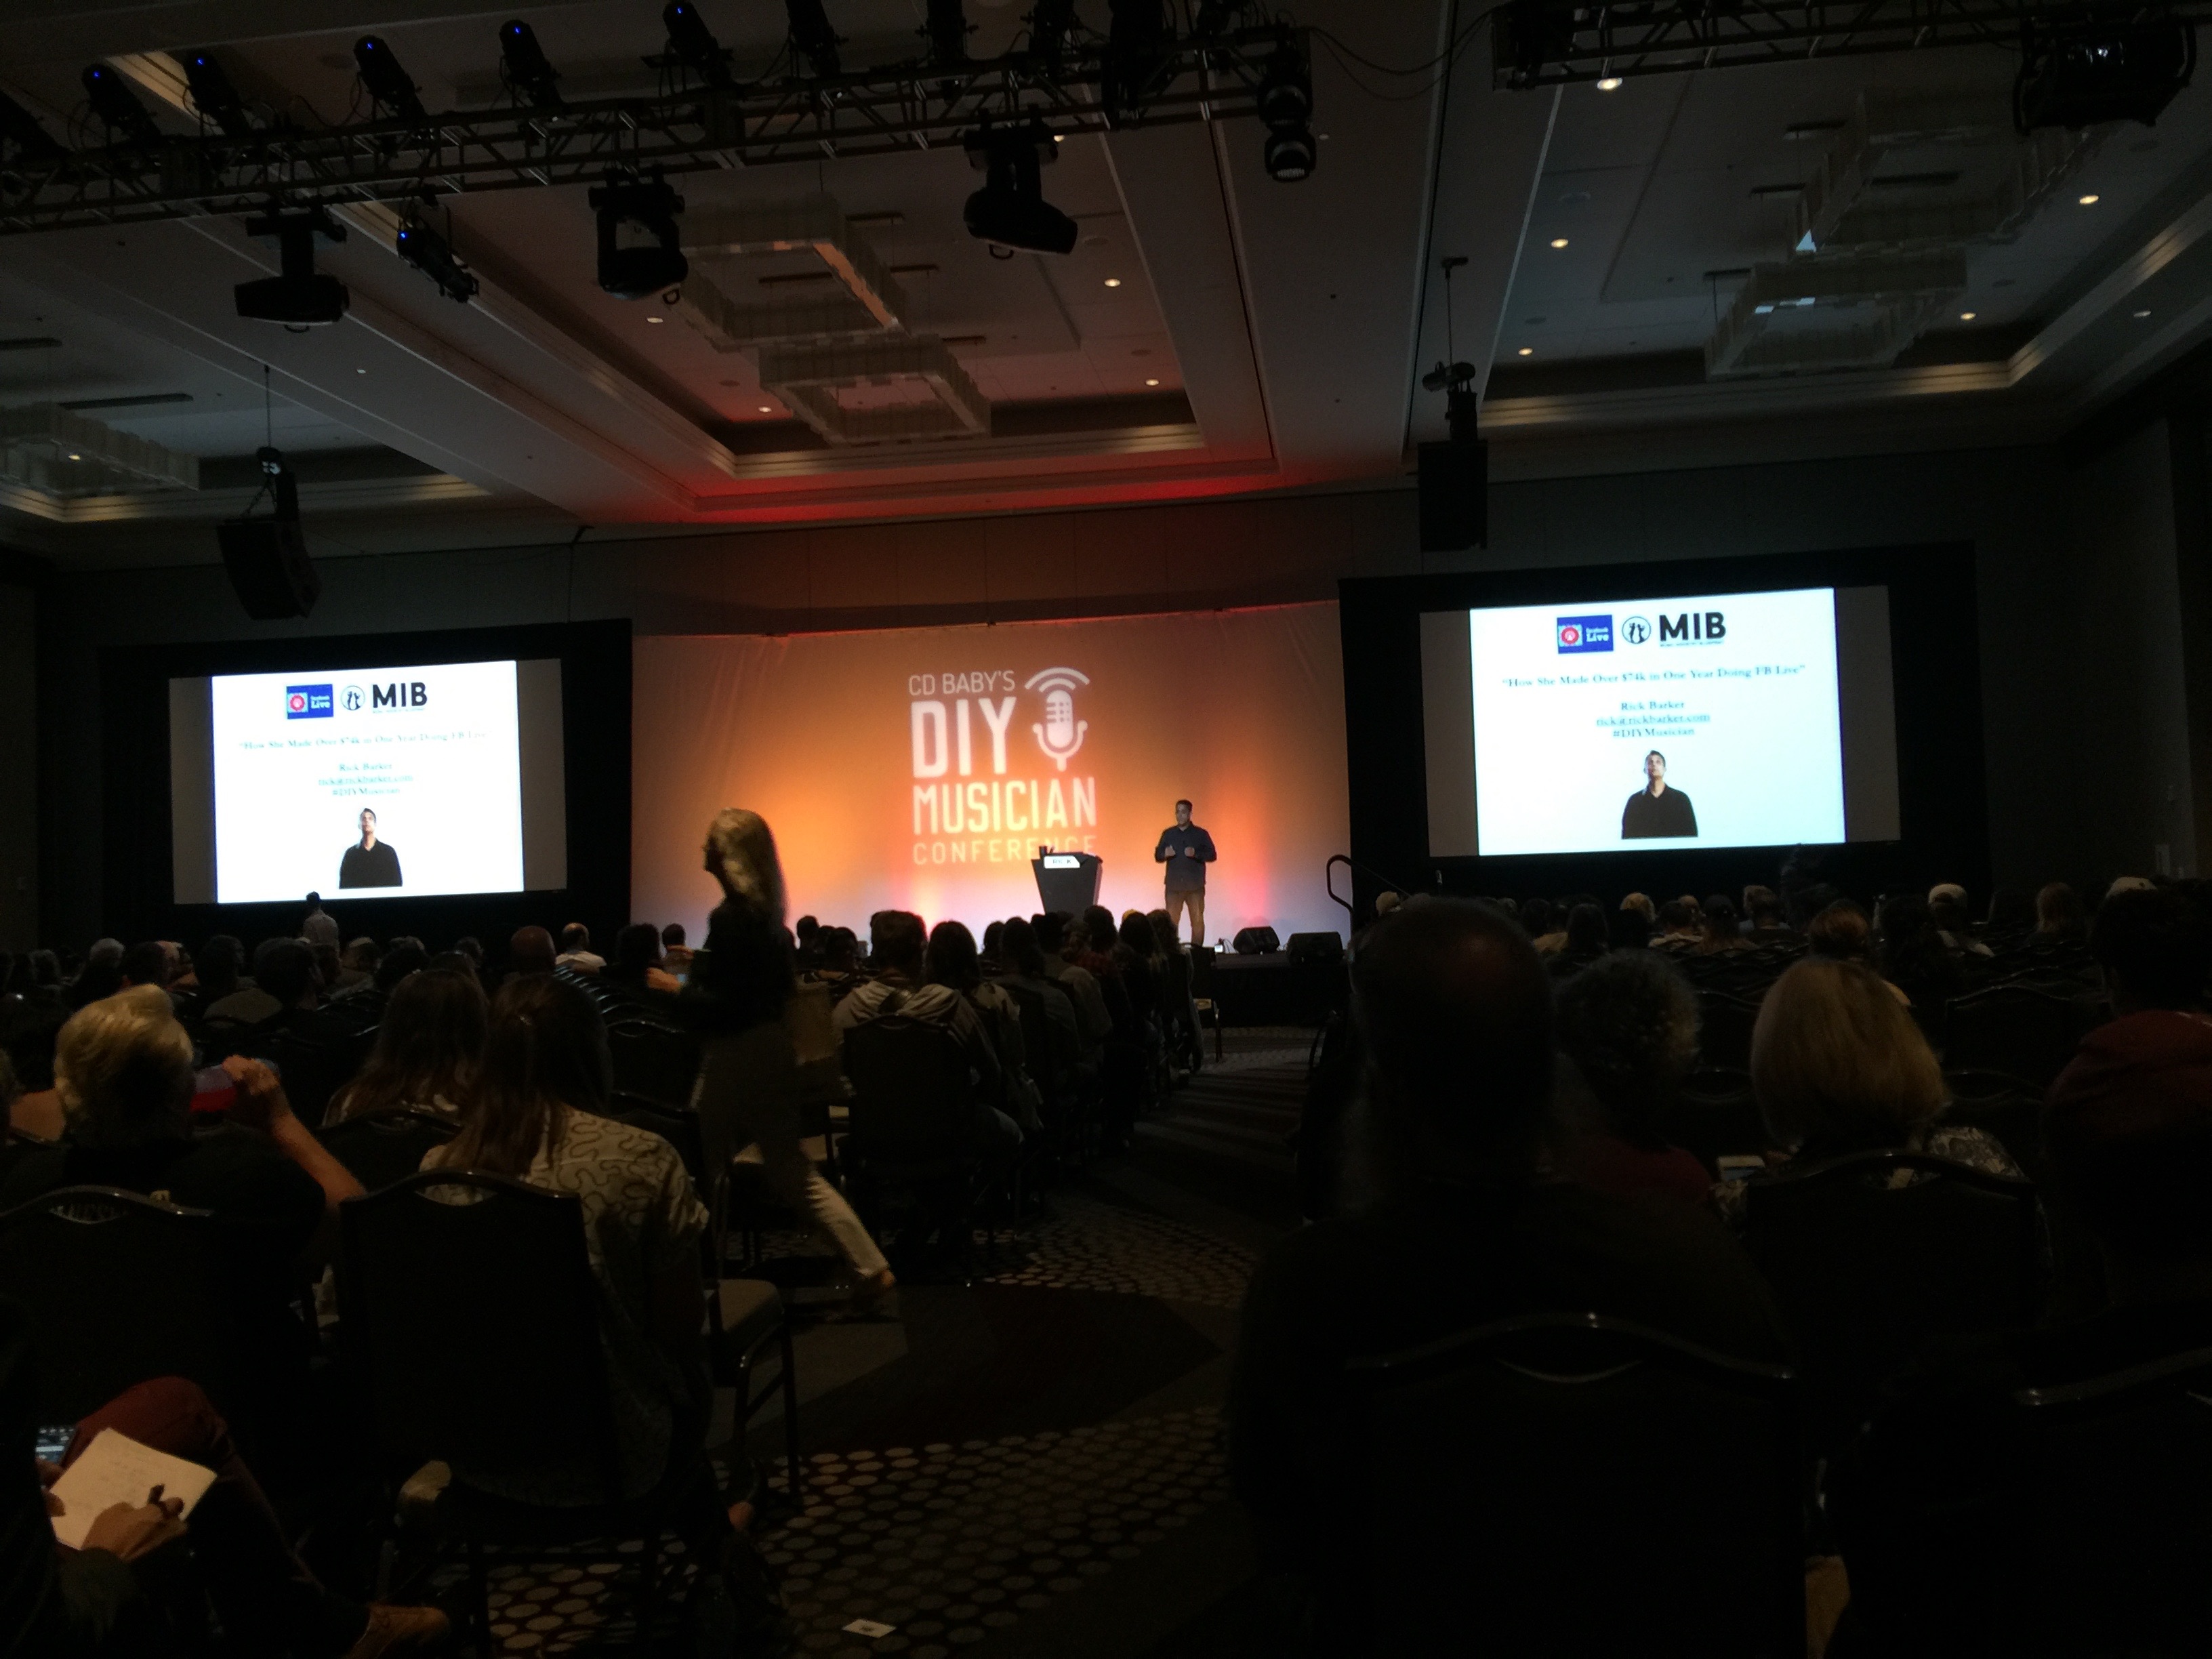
{"x": 1838, "y": 1066}
{"x": 766, "y": 1041}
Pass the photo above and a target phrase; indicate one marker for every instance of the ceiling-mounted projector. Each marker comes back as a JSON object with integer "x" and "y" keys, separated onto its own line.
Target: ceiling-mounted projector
{"x": 303, "y": 296}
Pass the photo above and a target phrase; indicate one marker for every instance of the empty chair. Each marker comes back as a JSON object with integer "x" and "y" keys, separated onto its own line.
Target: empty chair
{"x": 1565, "y": 1483}
{"x": 2017, "y": 1028}
{"x": 119, "y": 1288}
{"x": 1873, "y": 1255}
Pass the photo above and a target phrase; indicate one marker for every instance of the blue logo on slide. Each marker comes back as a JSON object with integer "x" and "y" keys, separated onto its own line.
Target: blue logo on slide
{"x": 1580, "y": 634}
{"x": 306, "y": 702}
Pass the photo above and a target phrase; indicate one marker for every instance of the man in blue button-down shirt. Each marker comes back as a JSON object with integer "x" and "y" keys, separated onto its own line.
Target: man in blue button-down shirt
{"x": 1186, "y": 850}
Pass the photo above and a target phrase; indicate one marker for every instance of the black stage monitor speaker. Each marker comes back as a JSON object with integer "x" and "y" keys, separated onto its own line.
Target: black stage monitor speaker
{"x": 1317, "y": 947}
{"x": 1254, "y": 941}
{"x": 1454, "y": 496}
{"x": 267, "y": 559}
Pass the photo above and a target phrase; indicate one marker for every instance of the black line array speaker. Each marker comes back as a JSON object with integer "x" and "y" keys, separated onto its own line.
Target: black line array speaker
{"x": 270, "y": 571}
{"x": 1454, "y": 496}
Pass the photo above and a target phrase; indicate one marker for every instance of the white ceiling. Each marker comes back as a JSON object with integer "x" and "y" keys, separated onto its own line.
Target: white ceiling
{"x": 1254, "y": 335}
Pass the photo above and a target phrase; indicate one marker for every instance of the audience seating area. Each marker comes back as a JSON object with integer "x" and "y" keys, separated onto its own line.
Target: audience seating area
{"x": 1839, "y": 1286}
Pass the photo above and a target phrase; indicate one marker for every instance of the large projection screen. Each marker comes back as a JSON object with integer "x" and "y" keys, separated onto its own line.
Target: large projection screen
{"x": 1767, "y": 719}
{"x": 921, "y": 768}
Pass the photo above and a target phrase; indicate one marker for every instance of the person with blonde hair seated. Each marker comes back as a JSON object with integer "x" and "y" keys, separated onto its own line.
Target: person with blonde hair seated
{"x": 1838, "y": 1066}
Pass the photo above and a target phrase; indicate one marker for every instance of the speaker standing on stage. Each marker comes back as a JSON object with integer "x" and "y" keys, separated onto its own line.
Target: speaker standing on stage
{"x": 1186, "y": 850}
{"x": 372, "y": 863}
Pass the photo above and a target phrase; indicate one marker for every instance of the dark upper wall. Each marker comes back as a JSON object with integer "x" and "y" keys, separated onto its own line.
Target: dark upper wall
{"x": 2013, "y": 505}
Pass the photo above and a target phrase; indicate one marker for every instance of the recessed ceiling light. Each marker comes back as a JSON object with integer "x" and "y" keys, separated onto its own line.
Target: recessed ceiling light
{"x": 1967, "y": 316}
{"x": 1527, "y": 351}
{"x": 77, "y": 458}
{"x": 1059, "y": 137}
{"x": 767, "y": 408}
{"x": 1152, "y": 382}
{"x": 1113, "y": 281}
{"x": 360, "y": 371}
{"x": 2089, "y": 200}
{"x": 656, "y": 319}
{"x": 1610, "y": 83}
{"x": 2139, "y": 315}
{"x": 1559, "y": 241}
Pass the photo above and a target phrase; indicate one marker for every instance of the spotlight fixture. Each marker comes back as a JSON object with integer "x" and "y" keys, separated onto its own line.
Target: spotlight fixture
{"x": 432, "y": 255}
{"x": 23, "y": 134}
{"x": 1285, "y": 104}
{"x": 1136, "y": 48}
{"x": 638, "y": 271}
{"x": 1048, "y": 26}
{"x": 522, "y": 60}
{"x": 389, "y": 89}
{"x": 813, "y": 38}
{"x": 1011, "y": 209}
{"x": 947, "y": 28}
{"x": 1216, "y": 17}
{"x": 1455, "y": 474}
{"x": 2120, "y": 72}
{"x": 118, "y": 107}
{"x": 213, "y": 95}
{"x": 303, "y": 296}
{"x": 693, "y": 45}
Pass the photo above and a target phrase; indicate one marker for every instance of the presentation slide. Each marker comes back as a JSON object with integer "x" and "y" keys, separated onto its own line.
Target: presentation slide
{"x": 366, "y": 783}
{"x": 1651, "y": 724}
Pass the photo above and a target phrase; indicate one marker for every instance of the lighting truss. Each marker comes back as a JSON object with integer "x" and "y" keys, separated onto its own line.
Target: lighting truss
{"x": 1539, "y": 43}
{"x": 881, "y": 111}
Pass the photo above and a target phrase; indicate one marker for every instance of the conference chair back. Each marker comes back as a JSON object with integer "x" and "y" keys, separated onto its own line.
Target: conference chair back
{"x": 1568, "y": 1483}
{"x": 1039, "y": 1054}
{"x": 2066, "y": 1517}
{"x": 382, "y": 1147}
{"x": 471, "y": 1321}
{"x": 1714, "y": 1115}
{"x": 1724, "y": 1029}
{"x": 656, "y": 1062}
{"x": 119, "y": 1288}
{"x": 912, "y": 1104}
{"x": 1871, "y": 1256}
{"x": 2017, "y": 1028}
{"x": 2007, "y": 1108}
{"x": 679, "y": 1126}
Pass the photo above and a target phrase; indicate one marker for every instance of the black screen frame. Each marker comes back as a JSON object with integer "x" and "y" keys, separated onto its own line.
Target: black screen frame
{"x": 1935, "y": 669}
{"x": 137, "y": 894}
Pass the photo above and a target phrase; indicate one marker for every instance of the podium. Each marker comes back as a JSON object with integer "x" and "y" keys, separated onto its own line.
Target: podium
{"x": 1067, "y": 881}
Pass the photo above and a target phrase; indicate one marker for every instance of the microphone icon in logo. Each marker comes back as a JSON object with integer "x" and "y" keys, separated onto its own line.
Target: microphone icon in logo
{"x": 1060, "y": 734}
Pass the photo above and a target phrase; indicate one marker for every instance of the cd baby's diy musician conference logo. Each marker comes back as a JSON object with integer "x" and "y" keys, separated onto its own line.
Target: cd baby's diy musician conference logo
{"x": 982, "y": 791}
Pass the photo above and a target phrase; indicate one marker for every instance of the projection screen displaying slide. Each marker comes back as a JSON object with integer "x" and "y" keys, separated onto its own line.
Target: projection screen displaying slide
{"x": 1721, "y": 721}
{"x": 408, "y": 780}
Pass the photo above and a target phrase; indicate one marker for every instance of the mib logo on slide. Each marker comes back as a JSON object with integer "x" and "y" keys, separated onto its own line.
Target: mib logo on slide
{"x": 306, "y": 702}
{"x": 1580, "y": 634}
{"x": 1693, "y": 628}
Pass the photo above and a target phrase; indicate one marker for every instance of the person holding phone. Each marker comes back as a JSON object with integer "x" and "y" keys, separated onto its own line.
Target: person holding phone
{"x": 1186, "y": 850}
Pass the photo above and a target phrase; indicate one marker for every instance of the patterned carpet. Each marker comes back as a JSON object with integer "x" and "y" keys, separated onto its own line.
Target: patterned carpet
{"x": 1019, "y": 1450}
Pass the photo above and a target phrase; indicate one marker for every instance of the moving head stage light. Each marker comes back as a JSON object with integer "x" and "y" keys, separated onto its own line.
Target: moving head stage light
{"x": 302, "y": 296}
{"x": 2122, "y": 71}
{"x": 213, "y": 95}
{"x": 432, "y": 255}
{"x": 1011, "y": 209}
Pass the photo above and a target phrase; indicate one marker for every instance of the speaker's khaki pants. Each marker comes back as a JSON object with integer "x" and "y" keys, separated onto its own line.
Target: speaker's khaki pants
{"x": 1192, "y": 899}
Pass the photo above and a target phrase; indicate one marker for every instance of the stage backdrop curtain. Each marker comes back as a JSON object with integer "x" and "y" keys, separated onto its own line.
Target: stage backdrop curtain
{"x": 921, "y": 768}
